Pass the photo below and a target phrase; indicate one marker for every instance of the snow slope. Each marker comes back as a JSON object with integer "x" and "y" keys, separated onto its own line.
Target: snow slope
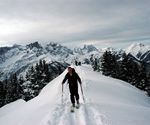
{"x": 108, "y": 102}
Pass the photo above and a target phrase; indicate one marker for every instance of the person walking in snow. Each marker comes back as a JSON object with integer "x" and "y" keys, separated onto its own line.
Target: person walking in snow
{"x": 73, "y": 79}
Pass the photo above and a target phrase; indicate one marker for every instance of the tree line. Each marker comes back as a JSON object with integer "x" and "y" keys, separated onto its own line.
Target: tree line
{"x": 28, "y": 86}
{"x": 123, "y": 67}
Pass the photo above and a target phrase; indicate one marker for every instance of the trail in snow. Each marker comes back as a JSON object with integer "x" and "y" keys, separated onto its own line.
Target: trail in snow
{"x": 85, "y": 115}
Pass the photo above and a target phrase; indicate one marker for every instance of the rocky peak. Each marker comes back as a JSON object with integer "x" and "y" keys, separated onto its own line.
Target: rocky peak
{"x": 34, "y": 45}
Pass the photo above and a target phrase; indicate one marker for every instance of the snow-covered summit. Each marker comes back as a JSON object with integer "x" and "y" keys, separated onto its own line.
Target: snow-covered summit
{"x": 35, "y": 44}
{"x": 57, "y": 49}
{"x": 108, "y": 101}
{"x": 89, "y": 48}
{"x": 137, "y": 49}
{"x": 86, "y": 49}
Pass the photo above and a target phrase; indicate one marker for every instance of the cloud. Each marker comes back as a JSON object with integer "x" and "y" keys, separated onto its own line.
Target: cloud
{"x": 74, "y": 20}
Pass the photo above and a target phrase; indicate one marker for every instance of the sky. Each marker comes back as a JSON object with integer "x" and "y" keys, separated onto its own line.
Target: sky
{"x": 105, "y": 23}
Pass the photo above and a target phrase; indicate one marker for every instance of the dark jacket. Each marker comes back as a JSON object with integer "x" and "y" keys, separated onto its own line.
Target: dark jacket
{"x": 72, "y": 79}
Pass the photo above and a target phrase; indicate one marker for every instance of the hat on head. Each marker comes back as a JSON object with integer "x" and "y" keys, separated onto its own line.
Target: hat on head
{"x": 71, "y": 66}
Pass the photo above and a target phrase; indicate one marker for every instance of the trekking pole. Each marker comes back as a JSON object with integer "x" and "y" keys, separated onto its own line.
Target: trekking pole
{"x": 62, "y": 94}
{"x": 82, "y": 93}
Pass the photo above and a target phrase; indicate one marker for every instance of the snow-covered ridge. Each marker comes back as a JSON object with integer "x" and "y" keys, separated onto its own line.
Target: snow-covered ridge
{"x": 138, "y": 50}
{"x": 86, "y": 49}
{"x": 108, "y": 101}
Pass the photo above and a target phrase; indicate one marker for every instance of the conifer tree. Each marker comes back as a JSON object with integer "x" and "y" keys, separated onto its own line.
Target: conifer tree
{"x": 95, "y": 64}
{"x": 142, "y": 77}
{"x": 123, "y": 70}
{"x": 2, "y": 96}
{"x": 109, "y": 64}
{"x": 105, "y": 63}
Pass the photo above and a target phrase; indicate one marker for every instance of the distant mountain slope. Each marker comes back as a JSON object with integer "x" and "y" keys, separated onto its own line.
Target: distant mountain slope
{"x": 86, "y": 49}
{"x": 140, "y": 51}
{"x": 18, "y": 58}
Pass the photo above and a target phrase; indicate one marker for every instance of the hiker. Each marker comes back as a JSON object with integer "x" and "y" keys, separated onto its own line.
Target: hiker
{"x": 73, "y": 80}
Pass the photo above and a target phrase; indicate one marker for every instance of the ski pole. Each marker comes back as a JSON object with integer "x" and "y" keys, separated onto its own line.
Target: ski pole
{"x": 62, "y": 94}
{"x": 82, "y": 93}
{"x": 62, "y": 89}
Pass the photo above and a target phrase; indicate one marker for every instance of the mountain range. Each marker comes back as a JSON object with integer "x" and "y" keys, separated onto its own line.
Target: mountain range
{"x": 18, "y": 58}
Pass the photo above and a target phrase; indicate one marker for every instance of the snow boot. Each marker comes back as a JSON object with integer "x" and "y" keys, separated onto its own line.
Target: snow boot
{"x": 78, "y": 104}
{"x": 73, "y": 105}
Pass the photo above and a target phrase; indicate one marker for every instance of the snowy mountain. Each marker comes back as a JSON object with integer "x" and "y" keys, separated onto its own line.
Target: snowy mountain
{"x": 86, "y": 49}
{"x": 140, "y": 51}
{"x": 83, "y": 54}
{"x": 108, "y": 101}
{"x": 18, "y": 58}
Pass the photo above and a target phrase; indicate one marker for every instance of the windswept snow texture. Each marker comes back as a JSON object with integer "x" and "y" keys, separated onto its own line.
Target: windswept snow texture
{"x": 108, "y": 101}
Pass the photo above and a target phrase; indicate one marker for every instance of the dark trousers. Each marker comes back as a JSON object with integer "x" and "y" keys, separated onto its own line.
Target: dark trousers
{"x": 73, "y": 94}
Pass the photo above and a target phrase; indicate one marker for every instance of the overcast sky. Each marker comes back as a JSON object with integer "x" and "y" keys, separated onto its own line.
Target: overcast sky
{"x": 115, "y": 23}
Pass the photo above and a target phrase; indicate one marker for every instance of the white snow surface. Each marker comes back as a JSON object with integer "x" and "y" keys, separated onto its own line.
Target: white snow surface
{"x": 108, "y": 101}
{"x": 11, "y": 107}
